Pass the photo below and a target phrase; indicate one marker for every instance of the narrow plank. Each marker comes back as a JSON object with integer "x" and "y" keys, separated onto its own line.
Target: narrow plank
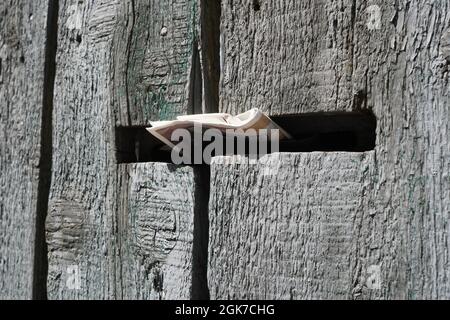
{"x": 22, "y": 61}
{"x": 286, "y": 56}
{"x": 285, "y": 227}
{"x": 99, "y": 239}
{"x": 81, "y": 222}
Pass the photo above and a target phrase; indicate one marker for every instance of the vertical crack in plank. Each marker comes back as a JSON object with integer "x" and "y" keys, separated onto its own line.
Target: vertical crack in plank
{"x": 129, "y": 45}
{"x": 210, "y": 12}
{"x": 200, "y": 289}
{"x": 204, "y": 98}
{"x": 40, "y": 264}
{"x": 195, "y": 82}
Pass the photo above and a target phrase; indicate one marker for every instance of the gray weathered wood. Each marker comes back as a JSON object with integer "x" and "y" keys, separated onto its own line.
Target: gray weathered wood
{"x": 286, "y": 57}
{"x": 152, "y": 239}
{"x": 102, "y": 215}
{"x": 153, "y": 57}
{"x": 285, "y": 227}
{"x": 82, "y": 244}
{"x": 300, "y": 226}
{"x": 156, "y": 229}
{"x": 398, "y": 68}
{"x": 402, "y": 69}
{"x": 22, "y": 60}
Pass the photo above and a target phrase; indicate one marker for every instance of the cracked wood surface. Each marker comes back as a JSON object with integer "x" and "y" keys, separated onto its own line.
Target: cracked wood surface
{"x": 317, "y": 225}
{"x": 153, "y": 50}
{"x": 400, "y": 71}
{"x": 286, "y": 56}
{"x": 286, "y": 227}
{"x": 82, "y": 244}
{"x": 156, "y": 227}
{"x": 102, "y": 214}
{"x": 404, "y": 71}
{"x": 22, "y": 60}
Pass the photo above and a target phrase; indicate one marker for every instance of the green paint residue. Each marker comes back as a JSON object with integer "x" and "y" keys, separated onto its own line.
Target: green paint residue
{"x": 194, "y": 21}
{"x": 155, "y": 103}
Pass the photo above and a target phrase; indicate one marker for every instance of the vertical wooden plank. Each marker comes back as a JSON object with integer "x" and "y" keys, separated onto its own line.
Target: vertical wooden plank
{"x": 82, "y": 244}
{"x": 157, "y": 63}
{"x": 284, "y": 228}
{"x": 396, "y": 65}
{"x": 22, "y": 61}
{"x": 286, "y": 56}
{"x": 401, "y": 64}
{"x": 100, "y": 243}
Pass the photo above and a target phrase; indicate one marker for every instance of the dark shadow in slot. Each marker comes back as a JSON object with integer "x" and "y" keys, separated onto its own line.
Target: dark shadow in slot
{"x": 328, "y": 132}
{"x": 202, "y": 178}
{"x": 325, "y": 132}
{"x": 136, "y": 144}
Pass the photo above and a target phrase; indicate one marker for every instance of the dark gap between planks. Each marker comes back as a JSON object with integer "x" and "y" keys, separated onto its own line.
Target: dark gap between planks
{"x": 40, "y": 263}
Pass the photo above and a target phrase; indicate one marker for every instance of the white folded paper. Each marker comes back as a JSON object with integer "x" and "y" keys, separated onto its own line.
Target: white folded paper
{"x": 226, "y": 123}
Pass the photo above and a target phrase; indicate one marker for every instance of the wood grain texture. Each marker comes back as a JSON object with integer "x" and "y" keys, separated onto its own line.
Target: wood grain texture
{"x": 22, "y": 60}
{"x": 371, "y": 225}
{"x": 110, "y": 229}
{"x": 156, "y": 227}
{"x": 403, "y": 70}
{"x": 286, "y": 56}
{"x": 285, "y": 227}
{"x": 154, "y": 52}
{"x": 82, "y": 245}
{"x": 399, "y": 70}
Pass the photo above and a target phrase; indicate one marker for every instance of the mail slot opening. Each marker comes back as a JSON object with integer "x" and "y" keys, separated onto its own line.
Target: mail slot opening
{"x": 136, "y": 144}
{"x": 325, "y": 132}
{"x": 329, "y": 132}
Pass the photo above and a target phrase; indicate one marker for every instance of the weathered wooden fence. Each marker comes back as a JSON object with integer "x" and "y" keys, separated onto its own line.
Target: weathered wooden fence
{"x": 81, "y": 216}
